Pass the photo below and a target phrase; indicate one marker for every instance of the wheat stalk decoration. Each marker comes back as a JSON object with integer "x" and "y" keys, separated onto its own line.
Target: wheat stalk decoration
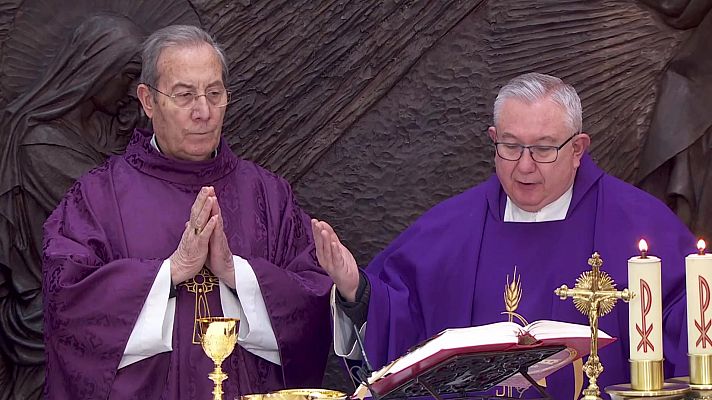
{"x": 512, "y": 297}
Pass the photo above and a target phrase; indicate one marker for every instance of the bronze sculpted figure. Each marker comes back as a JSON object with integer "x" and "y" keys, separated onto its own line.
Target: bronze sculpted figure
{"x": 73, "y": 117}
{"x": 676, "y": 162}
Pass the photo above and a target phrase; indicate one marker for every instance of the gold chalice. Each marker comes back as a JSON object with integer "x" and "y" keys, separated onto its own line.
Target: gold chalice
{"x": 218, "y": 336}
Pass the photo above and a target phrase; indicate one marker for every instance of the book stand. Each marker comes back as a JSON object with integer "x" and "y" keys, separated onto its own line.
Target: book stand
{"x": 466, "y": 375}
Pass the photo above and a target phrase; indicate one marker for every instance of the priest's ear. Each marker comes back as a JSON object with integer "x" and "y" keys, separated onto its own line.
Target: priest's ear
{"x": 580, "y": 144}
{"x": 146, "y": 98}
{"x": 492, "y": 132}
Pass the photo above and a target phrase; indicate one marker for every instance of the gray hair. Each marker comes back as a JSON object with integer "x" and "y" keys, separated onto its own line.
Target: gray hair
{"x": 175, "y": 36}
{"x": 532, "y": 87}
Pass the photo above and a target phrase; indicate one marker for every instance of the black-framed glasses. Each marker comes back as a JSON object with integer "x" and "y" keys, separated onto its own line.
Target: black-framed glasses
{"x": 216, "y": 97}
{"x": 539, "y": 153}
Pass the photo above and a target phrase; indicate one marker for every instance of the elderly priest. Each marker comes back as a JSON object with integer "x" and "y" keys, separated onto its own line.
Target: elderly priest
{"x": 547, "y": 209}
{"x": 175, "y": 229}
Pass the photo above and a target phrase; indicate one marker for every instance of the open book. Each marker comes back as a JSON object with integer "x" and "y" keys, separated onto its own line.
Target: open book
{"x": 573, "y": 342}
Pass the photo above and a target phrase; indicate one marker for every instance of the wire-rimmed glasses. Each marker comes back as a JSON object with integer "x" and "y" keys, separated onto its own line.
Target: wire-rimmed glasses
{"x": 216, "y": 97}
{"x": 540, "y": 153}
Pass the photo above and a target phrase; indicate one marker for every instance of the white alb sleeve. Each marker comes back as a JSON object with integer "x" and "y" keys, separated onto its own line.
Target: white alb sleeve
{"x": 256, "y": 334}
{"x": 153, "y": 332}
{"x": 345, "y": 344}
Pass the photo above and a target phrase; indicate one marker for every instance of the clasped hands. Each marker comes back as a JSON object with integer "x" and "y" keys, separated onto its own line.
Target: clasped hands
{"x": 203, "y": 242}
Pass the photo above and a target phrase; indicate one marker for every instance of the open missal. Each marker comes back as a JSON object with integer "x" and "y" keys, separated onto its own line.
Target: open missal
{"x": 480, "y": 357}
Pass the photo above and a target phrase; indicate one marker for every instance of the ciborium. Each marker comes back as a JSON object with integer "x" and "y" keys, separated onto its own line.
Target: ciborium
{"x": 218, "y": 336}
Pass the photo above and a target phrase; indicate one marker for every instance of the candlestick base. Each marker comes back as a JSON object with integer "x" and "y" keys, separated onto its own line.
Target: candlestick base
{"x": 701, "y": 371}
{"x": 699, "y": 392}
{"x": 668, "y": 391}
{"x": 646, "y": 375}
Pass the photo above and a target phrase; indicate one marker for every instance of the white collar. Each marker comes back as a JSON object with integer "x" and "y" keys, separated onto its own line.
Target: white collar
{"x": 154, "y": 143}
{"x": 554, "y": 211}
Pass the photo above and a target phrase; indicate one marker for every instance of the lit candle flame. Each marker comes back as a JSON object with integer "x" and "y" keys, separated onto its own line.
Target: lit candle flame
{"x": 643, "y": 246}
{"x": 701, "y": 247}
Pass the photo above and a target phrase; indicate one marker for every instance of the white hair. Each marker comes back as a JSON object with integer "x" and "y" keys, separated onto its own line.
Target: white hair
{"x": 175, "y": 36}
{"x": 533, "y": 87}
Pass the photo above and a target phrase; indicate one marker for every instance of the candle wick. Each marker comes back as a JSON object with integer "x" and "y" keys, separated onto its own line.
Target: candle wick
{"x": 643, "y": 254}
{"x": 701, "y": 252}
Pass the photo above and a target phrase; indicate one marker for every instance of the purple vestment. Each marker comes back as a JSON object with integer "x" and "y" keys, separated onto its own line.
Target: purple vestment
{"x": 104, "y": 245}
{"x": 449, "y": 269}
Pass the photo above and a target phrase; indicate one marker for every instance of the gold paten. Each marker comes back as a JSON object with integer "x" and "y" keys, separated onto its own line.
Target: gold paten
{"x": 297, "y": 394}
{"x": 218, "y": 336}
{"x": 594, "y": 295}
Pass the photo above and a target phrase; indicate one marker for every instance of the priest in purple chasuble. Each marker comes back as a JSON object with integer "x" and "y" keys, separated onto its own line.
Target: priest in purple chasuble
{"x": 544, "y": 213}
{"x": 176, "y": 229}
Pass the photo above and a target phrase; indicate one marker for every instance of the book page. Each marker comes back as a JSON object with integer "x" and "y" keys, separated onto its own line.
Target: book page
{"x": 501, "y": 332}
{"x": 546, "y": 329}
{"x": 497, "y": 333}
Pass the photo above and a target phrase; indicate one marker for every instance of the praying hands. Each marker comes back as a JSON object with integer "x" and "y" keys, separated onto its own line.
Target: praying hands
{"x": 203, "y": 242}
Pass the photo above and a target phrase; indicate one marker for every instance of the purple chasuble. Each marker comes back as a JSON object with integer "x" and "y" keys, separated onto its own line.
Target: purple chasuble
{"x": 103, "y": 247}
{"x": 449, "y": 269}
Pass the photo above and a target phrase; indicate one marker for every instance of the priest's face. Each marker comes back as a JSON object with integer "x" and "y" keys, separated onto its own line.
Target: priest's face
{"x": 529, "y": 184}
{"x": 192, "y": 132}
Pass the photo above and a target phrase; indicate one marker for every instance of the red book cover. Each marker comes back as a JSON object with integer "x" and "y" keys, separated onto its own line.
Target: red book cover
{"x": 498, "y": 337}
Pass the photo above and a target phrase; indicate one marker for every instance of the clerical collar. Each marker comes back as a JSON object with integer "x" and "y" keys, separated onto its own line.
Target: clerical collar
{"x": 154, "y": 143}
{"x": 555, "y": 211}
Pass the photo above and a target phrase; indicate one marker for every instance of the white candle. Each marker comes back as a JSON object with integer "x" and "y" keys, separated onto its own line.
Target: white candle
{"x": 645, "y": 322}
{"x": 698, "y": 270}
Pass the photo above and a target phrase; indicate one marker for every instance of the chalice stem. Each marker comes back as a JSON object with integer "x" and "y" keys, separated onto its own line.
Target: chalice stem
{"x": 217, "y": 376}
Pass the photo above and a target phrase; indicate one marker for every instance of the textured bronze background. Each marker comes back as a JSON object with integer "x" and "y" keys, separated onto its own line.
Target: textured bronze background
{"x": 376, "y": 110}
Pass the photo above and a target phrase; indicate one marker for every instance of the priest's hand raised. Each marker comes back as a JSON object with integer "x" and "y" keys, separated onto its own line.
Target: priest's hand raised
{"x": 219, "y": 255}
{"x": 336, "y": 259}
{"x": 192, "y": 251}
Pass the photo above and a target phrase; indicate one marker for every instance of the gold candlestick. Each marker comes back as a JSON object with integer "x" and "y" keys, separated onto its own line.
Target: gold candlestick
{"x": 698, "y": 271}
{"x": 218, "y": 337}
{"x": 646, "y": 367}
{"x": 646, "y": 344}
{"x": 701, "y": 371}
{"x": 594, "y": 295}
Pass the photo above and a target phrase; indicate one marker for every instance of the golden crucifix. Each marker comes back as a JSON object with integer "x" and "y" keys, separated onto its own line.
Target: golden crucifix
{"x": 594, "y": 295}
{"x": 200, "y": 285}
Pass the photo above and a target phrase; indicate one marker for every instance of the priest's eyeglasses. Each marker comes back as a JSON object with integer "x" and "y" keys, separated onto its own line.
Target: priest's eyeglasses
{"x": 540, "y": 154}
{"x": 216, "y": 97}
